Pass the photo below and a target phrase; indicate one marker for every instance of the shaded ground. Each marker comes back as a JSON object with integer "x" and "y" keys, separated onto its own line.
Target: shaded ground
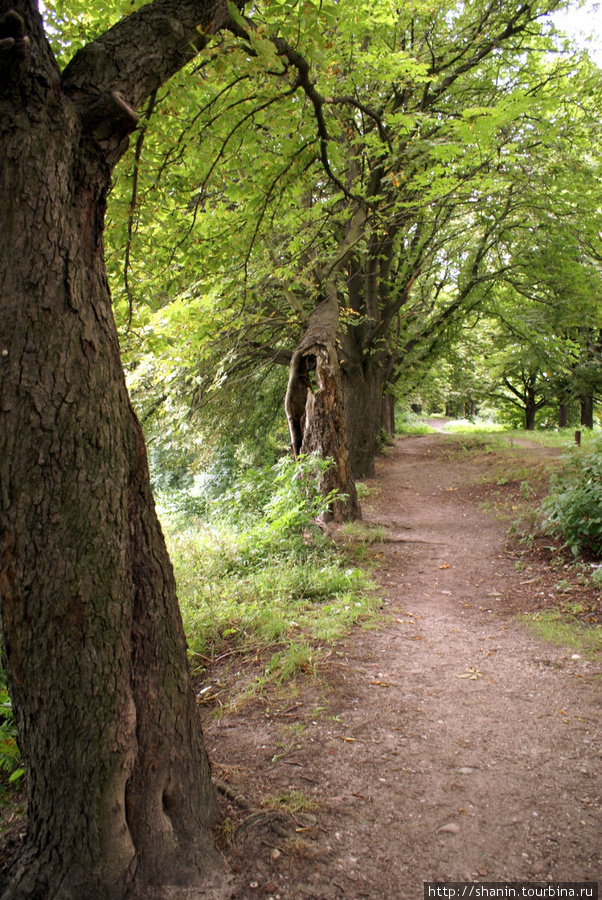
{"x": 419, "y": 771}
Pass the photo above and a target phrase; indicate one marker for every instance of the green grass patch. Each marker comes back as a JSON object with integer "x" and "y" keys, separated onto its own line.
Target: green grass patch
{"x": 367, "y": 534}
{"x": 479, "y": 441}
{"x": 407, "y": 422}
{"x": 561, "y": 627}
{"x": 237, "y": 591}
{"x": 411, "y": 428}
{"x": 465, "y": 426}
{"x": 293, "y": 801}
{"x": 561, "y": 439}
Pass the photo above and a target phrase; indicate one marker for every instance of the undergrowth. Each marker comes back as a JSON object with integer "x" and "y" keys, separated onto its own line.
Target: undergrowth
{"x": 261, "y": 577}
{"x": 573, "y": 508}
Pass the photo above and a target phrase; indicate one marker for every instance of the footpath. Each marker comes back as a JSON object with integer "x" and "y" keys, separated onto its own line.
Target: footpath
{"x": 450, "y": 744}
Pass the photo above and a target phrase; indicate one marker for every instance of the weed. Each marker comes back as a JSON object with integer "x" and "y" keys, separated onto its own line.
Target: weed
{"x": 526, "y": 491}
{"x": 227, "y": 831}
{"x": 266, "y": 580}
{"x": 293, "y": 802}
{"x": 365, "y": 491}
{"x": 291, "y": 661}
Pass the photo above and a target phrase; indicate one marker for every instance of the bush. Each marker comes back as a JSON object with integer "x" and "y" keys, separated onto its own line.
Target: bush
{"x": 573, "y": 508}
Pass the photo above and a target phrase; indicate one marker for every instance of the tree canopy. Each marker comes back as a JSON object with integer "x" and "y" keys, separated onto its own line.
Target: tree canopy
{"x": 402, "y": 165}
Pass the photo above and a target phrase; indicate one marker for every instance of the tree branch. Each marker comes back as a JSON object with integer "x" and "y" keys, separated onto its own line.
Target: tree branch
{"x": 131, "y": 60}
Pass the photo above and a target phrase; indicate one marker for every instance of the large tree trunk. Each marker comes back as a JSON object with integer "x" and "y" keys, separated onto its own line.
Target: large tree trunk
{"x": 119, "y": 787}
{"x": 363, "y": 384}
{"x": 314, "y": 407}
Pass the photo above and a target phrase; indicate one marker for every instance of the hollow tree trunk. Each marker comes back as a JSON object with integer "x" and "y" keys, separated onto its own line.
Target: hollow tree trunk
{"x": 119, "y": 788}
{"x": 314, "y": 407}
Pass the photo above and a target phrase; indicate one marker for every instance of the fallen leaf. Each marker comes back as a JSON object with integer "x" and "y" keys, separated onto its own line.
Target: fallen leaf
{"x": 417, "y": 637}
{"x": 446, "y": 566}
{"x": 382, "y": 683}
{"x": 348, "y": 739}
{"x": 472, "y": 673}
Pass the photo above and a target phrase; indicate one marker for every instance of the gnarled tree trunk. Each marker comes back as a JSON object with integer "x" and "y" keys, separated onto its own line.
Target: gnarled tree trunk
{"x": 119, "y": 787}
{"x": 314, "y": 407}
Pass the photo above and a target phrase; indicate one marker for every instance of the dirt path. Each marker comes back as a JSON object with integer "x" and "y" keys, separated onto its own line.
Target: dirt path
{"x": 421, "y": 774}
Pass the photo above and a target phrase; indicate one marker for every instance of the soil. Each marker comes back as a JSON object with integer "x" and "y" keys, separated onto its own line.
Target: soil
{"x": 448, "y": 743}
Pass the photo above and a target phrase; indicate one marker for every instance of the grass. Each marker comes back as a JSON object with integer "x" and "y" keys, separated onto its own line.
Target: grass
{"x": 293, "y": 802}
{"x": 410, "y": 428}
{"x": 562, "y": 439}
{"x": 465, "y": 426}
{"x": 262, "y": 593}
{"x": 410, "y": 423}
{"x": 366, "y": 534}
{"x": 561, "y": 627}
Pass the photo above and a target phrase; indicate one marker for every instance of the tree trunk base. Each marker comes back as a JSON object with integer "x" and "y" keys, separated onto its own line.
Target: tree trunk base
{"x": 220, "y": 887}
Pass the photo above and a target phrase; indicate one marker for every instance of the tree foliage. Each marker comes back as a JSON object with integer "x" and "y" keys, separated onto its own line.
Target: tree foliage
{"x": 452, "y": 143}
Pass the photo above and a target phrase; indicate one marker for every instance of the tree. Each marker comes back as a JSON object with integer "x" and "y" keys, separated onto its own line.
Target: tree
{"x": 119, "y": 789}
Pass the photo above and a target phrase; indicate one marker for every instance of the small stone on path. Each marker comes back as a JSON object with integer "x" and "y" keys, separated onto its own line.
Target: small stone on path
{"x": 451, "y": 828}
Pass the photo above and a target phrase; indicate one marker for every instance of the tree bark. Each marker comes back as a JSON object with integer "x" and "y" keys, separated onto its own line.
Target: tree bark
{"x": 363, "y": 384}
{"x": 563, "y": 415}
{"x": 119, "y": 788}
{"x": 531, "y": 408}
{"x": 530, "y": 411}
{"x": 387, "y": 417}
{"x": 587, "y": 411}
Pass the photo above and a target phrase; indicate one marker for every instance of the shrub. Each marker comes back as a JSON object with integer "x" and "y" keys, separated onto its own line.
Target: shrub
{"x": 573, "y": 508}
